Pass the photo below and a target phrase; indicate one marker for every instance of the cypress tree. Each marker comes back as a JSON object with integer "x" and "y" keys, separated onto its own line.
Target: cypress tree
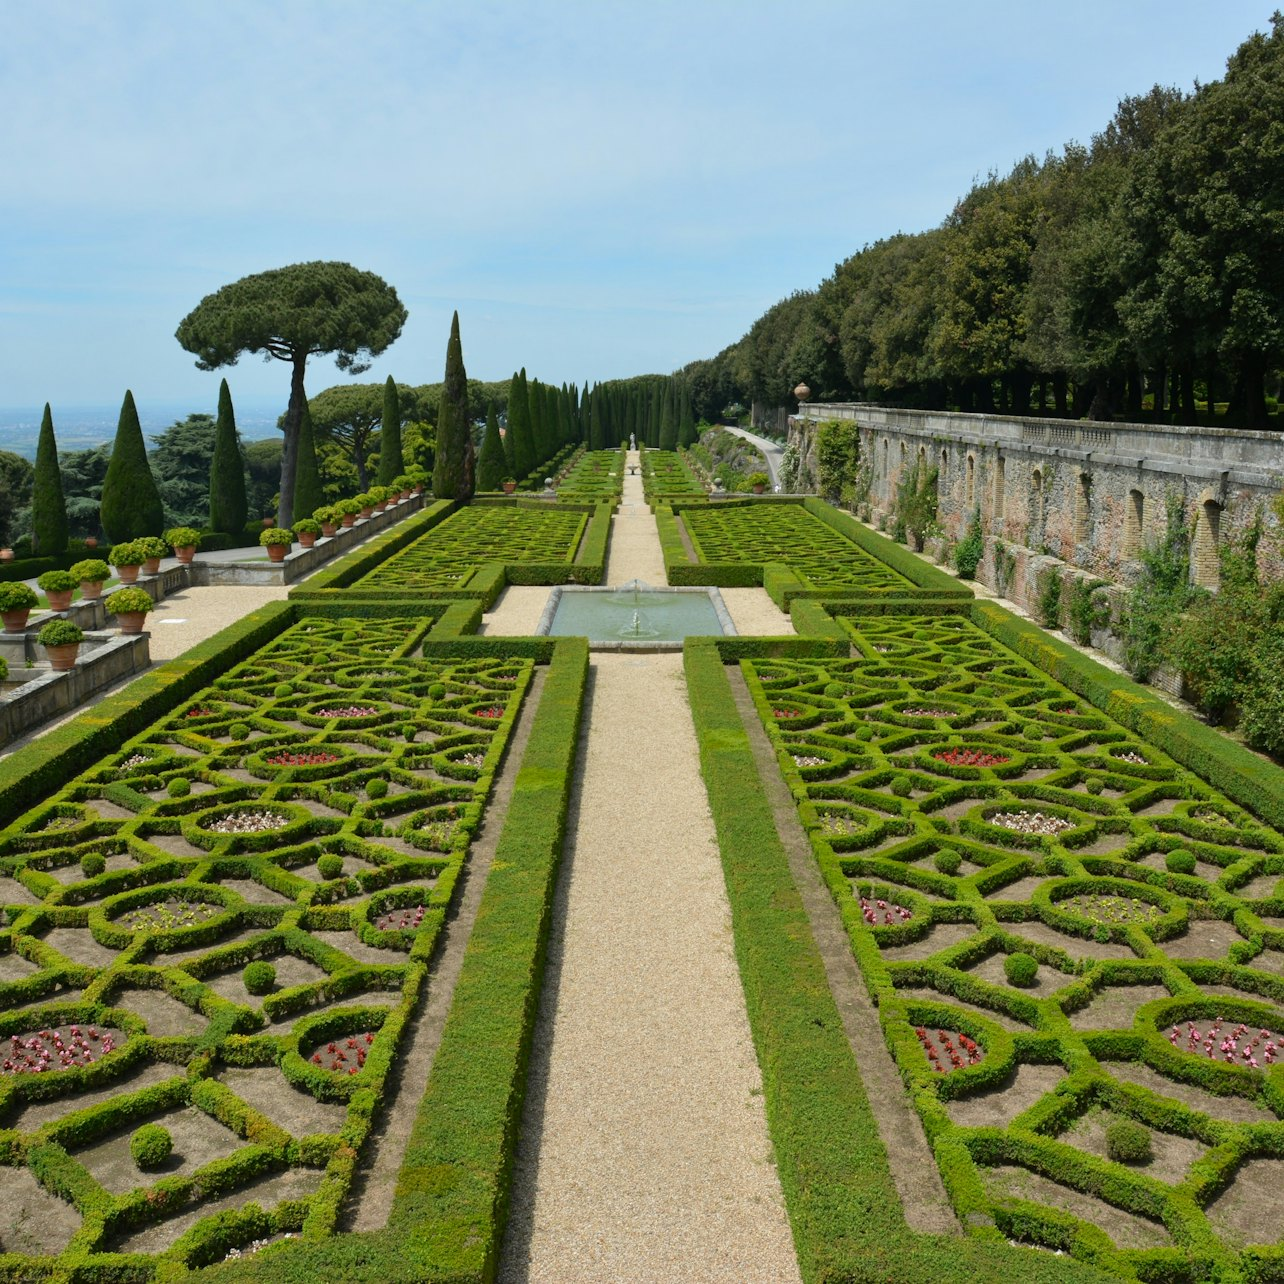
{"x": 308, "y": 494}
{"x": 539, "y": 440}
{"x": 508, "y": 438}
{"x": 653, "y": 425}
{"x": 519, "y": 427}
{"x": 48, "y": 505}
{"x": 131, "y": 505}
{"x": 391, "y": 463}
{"x": 229, "y": 506}
{"x": 453, "y": 473}
{"x": 492, "y": 463}
{"x": 686, "y": 419}
{"x": 668, "y": 419}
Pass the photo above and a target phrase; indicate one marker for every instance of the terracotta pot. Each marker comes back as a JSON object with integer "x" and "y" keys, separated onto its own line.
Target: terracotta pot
{"x": 131, "y": 621}
{"x": 509, "y": 487}
{"x": 328, "y": 529}
{"x": 15, "y": 621}
{"x": 307, "y": 539}
{"x": 60, "y": 601}
{"x": 277, "y": 552}
{"x": 62, "y": 658}
{"x": 757, "y": 490}
{"x": 6, "y": 555}
{"x": 380, "y": 507}
{"x": 91, "y": 589}
{"x": 367, "y": 513}
{"x": 128, "y": 574}
{"x": 152, "y": 566}
{"x": 268, "y": 523}
{"x": 349, "y": 519}
{"x": 185, "y": 554}
{"x": 91, "y": 541}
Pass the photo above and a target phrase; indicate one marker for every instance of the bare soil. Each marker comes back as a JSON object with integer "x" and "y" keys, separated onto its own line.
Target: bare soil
{"x": 1114, "y": 1007}
{"x": 31, "y": 1219}
{"x": 267, "y": 1192}
{"x": 934, "y": 996}
{"x": 40, "y": 1113}
{"x": 1021, "y": 890}
{"x": 354, "y": 947}
{"x": 363, "y": 998}
{"x": 164, "y": 1014}
{"x": 290, "y": 971}
{"x": 1204, "y": 939}
{"x": 1266, "y": 961}
{"x": 1173, "y": 1155}
{"x": 70, "y": 873}
{"x": 1126, "y": 1229}
{"x": 1251, "y": 1209}
{"x": 13, "y": 892}
{"x": 938, "y": 938}
{"x": 1075, "y": 946}
{"x": 178, "y": 957}
{"x": 1260, "y": 888}
{"x": 78, "y": 945}
{"x": 1230, "y": 1109}
{"x": 996, "y": 1107}
{"x": 198, "y": 1140}
{"x": 13, "y": 966}
{"x": 254, "y": 891}
{"x": 1203, "y": 869}
{"x": 351, "y": 865}
{"x": 1046, "y": 981}
{"x": 1232, "y": 993}
{"x": 271, "y": 1093}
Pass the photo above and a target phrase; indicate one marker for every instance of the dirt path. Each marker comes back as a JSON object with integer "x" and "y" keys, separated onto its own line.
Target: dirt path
{"x": 644, "y": 1152}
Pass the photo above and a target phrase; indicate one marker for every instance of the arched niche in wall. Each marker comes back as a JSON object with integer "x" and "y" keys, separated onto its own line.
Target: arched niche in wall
{"x": 1134, "y": 524}
{"x": 1205, "y": 548}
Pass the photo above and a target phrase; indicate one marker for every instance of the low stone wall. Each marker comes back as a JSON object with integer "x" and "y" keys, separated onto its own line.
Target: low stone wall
{"x": 105, "y": 658}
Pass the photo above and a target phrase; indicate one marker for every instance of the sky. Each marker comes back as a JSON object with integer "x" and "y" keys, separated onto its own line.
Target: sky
{"x": 601, "y": 189}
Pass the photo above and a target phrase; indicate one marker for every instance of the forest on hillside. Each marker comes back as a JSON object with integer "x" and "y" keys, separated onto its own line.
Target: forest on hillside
{"x": 1138, "y": 276}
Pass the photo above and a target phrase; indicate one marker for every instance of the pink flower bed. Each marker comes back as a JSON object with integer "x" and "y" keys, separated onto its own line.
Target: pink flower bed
{"x": 400, "y": 920}
{"x": 892, "y": 913}
{"x": 347, "y": 711}
{"x": 58, "y": 1048}
{"x": 311, "y": 758}
{"x": 1240, "y": 1046}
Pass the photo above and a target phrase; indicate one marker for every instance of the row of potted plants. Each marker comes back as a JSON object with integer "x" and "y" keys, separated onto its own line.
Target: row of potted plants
{"x": 329, "y": 518}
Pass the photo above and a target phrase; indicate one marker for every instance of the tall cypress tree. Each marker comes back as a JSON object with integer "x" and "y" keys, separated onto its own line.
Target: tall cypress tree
{"x": 131, "y": 505}
{"x": 48, "y": 505}
{"x": 668, "y": 419}
{"x": 308, "y": 494}
{"x": 391, "y": 463}
{"x": 686, "y": 417}
{"x": 453, "y": 473}
{"x": 508, "y": 437}
{"x": 229, "y": 506}
{"x": 492, "y": 464}
{"x": 519, "y": 427}
{"x": 539, "y": 441}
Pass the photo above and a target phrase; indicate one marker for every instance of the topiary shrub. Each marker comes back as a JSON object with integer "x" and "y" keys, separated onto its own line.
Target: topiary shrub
{"x": 1180, "y": 861}
{"x": 283, "y": 690}
{"x": 1094, "y": 784}
{"x": 179, "y": 787}
{"x": 276, "y": 535}
{"x": 1021, "y": 970}
{"x": 1128, "y": 1142}
{"x": 60, "y": 633}
{"x": 130, "y": 601}
{"x": 131, "y": 504}
{"x": 92, "y": 864}
{"x": 93, "y": 570}
{"x": 437, "y": 691}
{"x": 182, "y": 537}
{"x": 127, "y": 553}
{"x": 58, "y": 582}
{"x": 330, "y": 866}
{"x": 377, "y": 788}
{"x": 947, "y": 861}
{"x": 259, "y": 977}
{"x": 150, "y": 1146}
{"x": 901, "y": 786}
{"x": 240, "y": 731}
{"x": 17, "y": 596}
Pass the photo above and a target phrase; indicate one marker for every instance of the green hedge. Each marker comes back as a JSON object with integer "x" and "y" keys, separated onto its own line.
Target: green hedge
{"x": 842, "y": 1202}
{"x": 1248, "y": 779}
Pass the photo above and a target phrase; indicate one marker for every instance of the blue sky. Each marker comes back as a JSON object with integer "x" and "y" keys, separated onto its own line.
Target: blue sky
{"x": 601, "y": 189}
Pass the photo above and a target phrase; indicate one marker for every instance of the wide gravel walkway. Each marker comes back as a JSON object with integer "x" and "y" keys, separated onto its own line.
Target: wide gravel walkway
{"x": 644, "y": 1153}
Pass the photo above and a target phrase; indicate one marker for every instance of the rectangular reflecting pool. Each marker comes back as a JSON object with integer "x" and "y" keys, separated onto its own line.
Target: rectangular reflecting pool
{"x": 635, "y": 616}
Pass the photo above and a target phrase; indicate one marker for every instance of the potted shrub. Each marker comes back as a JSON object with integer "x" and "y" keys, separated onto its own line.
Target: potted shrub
{"x": 418, "y": 477}
{"x": 130, "y": 607}
{"x": 277, "y": 541}
{"x": 757, "y": 482}
{"x": 347, "y": 510}
{"x": 402, "y": 485}
{"x": 328, "y": 518}
{"x": 58, "y": 586}
{"x": 307, "y": 530}
{"x": 92, "y": 573}
{"x": 509, "y": 484}
{"x": 183, "y": 540}
{"x": 379, "y": 497}
{"x": 61, "y": 640}
{"x": 6, "y": 555}
{"x": 127, "y": 558}
{"x": 153, "y": 549}
{"x": 16, "y": 601}
{"x": 367, "y": 505}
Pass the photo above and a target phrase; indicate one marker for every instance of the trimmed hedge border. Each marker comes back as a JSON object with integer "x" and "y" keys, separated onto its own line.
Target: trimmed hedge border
{"x": 842, "y": 1203}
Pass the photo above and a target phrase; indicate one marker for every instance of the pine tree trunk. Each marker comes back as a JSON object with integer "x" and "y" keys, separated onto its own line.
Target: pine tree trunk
{"x": 290, "y": 451}
{"x": 1059, "y": 390}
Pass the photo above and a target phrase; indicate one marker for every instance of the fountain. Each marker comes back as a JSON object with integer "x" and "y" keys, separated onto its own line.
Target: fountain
{"x": 635, "y": 615}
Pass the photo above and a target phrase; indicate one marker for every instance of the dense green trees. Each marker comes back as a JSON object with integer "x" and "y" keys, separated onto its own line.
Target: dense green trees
{"x": 228, "y": 510}
{"x": 180, "y": 463}
{"x": 1126, "y": 277}
{"x": 453, "y": 467}
{"x": 131, "y": 505}
{"x": 519, "y": 441}
{"x": 492, "y": 463}
{"x": 292, "y": 313}
{"x": 16, "y": 476}
{"x": 48, "y": 507}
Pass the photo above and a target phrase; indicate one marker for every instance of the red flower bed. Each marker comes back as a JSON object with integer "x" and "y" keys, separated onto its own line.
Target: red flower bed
{"x": 493, "y": 712}
{"x": 969, "y": 757}
{"x": 892, "y": 913}
{"x": 950, "y": 1051}
{"x": 345, "y": 1055}
{"x": 399, "y": 920}
{"x": 311, "y": 758}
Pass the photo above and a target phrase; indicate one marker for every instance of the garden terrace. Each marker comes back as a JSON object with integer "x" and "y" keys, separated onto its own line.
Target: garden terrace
{"x": 312, "y": 807}
{"x": 965, "y": 809}
{"x": 667, "y": 478}
{"x": 596, "y": 476}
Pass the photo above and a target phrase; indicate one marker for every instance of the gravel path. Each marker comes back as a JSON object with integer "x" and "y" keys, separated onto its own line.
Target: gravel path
{"x": 644, "y": 1152}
